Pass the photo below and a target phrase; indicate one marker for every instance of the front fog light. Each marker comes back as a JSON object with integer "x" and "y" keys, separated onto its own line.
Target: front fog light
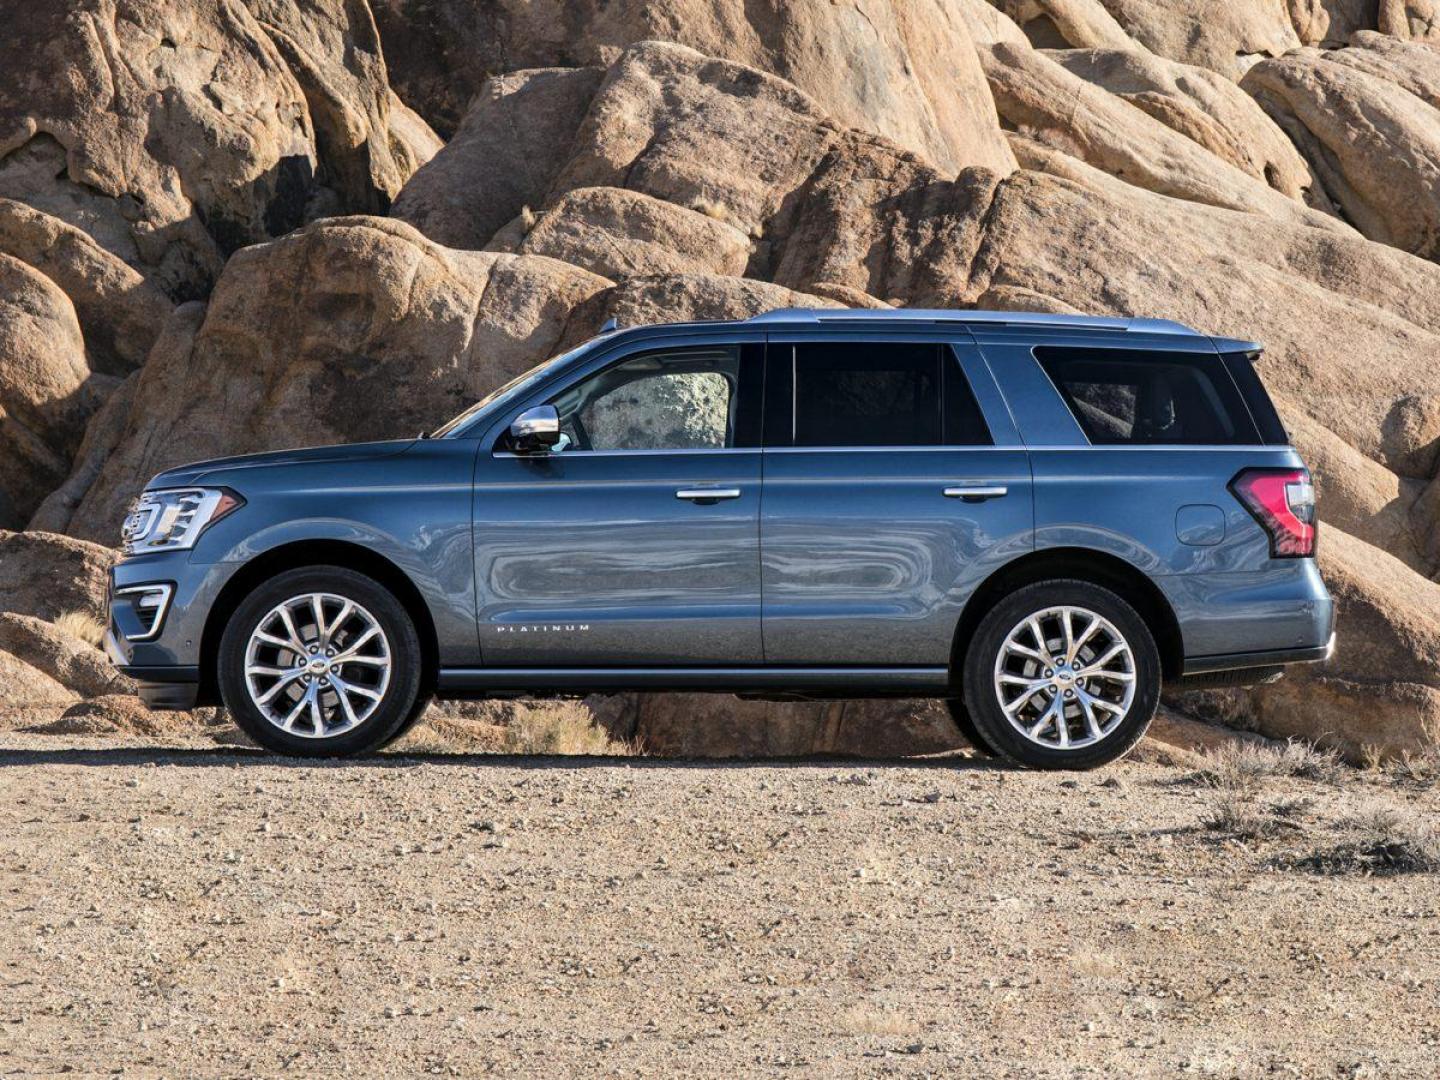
{"x": 138, "y": 612}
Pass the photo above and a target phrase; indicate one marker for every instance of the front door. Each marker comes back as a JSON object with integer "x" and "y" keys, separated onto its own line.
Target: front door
{"x": 894, "y": 485}
{"x": 634, "y": 543}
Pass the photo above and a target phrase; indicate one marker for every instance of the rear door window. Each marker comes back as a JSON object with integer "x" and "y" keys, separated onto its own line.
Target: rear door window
{"x": 1131, "y": 396}
{"x": 870, "y": 394}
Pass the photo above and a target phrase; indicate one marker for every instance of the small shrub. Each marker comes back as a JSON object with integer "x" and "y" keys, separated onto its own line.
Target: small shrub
{"x": 1243, "y": 767}
{"x": 560, "y": 728}
{"x": 1380, "y": 840}
{"x": 1235, "y": 815}
{"x": 710, "y": 209}
{"x": 79, "y": 624}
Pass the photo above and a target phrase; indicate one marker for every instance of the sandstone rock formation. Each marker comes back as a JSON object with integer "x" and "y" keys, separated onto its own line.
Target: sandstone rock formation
{"x": 502, "y": 159}
{"x": 75, "y": 665}
{"x": 708, "y": 159}
{"x": 906, "y": 71}
{"x": 46, "y": 575}
{"x": 45, "y": 391}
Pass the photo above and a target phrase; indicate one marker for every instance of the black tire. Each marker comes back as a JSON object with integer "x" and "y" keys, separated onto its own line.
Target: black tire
{"x": 979, "y": 682}
{"x": 395, "y": 707}
{"x": 961, "y": 715}
{"x": 422, "y": 702}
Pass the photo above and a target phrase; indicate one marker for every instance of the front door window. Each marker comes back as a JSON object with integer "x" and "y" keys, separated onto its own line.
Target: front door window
{"x": 683, "y": 400}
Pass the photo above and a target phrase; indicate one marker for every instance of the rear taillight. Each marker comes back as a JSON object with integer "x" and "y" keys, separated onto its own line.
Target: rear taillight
{"x": 1283, "y": 502}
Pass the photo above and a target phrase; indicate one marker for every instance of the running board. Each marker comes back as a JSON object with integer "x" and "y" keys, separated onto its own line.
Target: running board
{"x": 846, "y": 681}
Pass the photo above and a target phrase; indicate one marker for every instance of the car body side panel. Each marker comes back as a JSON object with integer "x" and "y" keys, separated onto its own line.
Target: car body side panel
{"x": 411, "y": 508}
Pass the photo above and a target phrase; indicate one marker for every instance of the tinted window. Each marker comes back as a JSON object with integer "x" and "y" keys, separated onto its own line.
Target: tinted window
{"x": 1262, "y": 410}
{"x": 872, "y": 394}
{"x": 1131, "y": 396}
{"x": 687, "y": 399}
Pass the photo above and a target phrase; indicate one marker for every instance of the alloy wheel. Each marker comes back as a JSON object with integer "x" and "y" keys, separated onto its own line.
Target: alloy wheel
{"x": 1065, "y": 677}
{"x": 317, "y": 665}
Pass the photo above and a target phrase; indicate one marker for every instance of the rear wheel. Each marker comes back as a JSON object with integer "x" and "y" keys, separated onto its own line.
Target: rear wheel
{"x": 320, "y": 662}
{"x": 1062, "y": 674}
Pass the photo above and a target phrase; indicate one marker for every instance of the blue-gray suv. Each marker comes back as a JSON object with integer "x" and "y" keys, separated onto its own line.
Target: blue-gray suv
{"x": 1037, "y": 518}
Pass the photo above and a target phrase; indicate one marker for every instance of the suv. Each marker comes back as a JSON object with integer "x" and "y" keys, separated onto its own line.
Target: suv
{"x": 1037, "y": 518}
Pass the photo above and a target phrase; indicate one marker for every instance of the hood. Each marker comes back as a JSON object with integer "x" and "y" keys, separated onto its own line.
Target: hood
{"x": 187, "y": 475}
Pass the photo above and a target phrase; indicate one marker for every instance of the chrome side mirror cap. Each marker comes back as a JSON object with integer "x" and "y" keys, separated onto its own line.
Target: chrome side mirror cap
{"x": 535, "y": 430}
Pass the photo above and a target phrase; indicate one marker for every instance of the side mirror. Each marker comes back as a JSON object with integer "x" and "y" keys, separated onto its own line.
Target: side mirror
{"x": 535, "y": 430}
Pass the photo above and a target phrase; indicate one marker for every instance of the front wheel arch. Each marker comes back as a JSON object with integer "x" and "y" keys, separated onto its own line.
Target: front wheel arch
{"x": 296, "y": 556}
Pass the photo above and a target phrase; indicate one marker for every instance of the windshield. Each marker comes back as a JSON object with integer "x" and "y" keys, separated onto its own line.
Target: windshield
{"x": 514, "y": 388}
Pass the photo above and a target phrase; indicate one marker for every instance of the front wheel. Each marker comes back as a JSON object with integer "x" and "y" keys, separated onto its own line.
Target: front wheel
{"x": 1062, "y": 675}
{"x": 320, "y": 662}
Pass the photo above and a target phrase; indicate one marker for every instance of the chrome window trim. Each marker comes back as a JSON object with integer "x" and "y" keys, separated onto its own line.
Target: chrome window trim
{"x": 629, "y": 453}
{"x": 167, "y": 592}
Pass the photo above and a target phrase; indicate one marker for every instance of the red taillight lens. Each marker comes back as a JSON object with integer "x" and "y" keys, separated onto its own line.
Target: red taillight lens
{"x": 1283, "y": 502}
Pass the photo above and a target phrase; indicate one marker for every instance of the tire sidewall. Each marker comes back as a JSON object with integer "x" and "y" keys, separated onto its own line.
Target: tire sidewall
{"x": 978, "y": 674}
{"x": 400, "y": 696}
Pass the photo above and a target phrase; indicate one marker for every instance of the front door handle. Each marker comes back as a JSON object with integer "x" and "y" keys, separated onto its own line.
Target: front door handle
{"x": 976, "y": 493}
{"x": 707, "y": 494}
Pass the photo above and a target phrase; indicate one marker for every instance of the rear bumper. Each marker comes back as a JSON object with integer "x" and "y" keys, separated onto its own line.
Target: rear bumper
{"x": 1202, "y": 665}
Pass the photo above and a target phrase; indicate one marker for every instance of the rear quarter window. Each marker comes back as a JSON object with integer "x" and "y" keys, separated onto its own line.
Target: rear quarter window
{"x": 1134, "y": 396}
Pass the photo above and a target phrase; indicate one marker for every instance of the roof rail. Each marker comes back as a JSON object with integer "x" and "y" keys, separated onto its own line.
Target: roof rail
{"x": 992, "y": 318}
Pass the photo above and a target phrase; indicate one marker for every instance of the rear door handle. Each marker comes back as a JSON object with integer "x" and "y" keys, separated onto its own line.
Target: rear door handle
{"x": 707, "y": 494}
{"x": 977, "y": 492}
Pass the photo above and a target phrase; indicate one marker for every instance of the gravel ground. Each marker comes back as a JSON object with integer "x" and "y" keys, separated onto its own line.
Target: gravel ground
{"x": 214, "y": 911}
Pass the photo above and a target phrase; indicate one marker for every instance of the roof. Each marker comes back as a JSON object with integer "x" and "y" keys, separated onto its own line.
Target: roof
{"x": 820, "y": 316}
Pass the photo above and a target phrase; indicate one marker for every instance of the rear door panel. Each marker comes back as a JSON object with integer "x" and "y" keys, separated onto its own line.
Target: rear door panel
{"x": 864, "y": 559}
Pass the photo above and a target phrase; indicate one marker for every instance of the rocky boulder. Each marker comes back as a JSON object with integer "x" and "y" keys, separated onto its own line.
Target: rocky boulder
{"x": 1224, "y": 37}
{"x": 1083, "y": 239}
{"x": 23, "y": 687}
{"x": 119, "y": 311}
{"x": 1410, "y": 20}
{"x": 46, "y": 388}
{"x": 1206, "y": 108}
{"x": 76, "y": 665}
{"x": 1373, "y": 142}
{"x": 333, "y": 50}
{"x": 622, "y": 234}
{"x": 1043, "y": 99}
{"x": 504, "y": 157}
{"x": 47, "y": 576}
{"x": 906, "y": 71}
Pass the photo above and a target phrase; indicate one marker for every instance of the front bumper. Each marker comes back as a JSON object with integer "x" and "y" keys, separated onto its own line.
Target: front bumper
{"x": 163, "y": 655}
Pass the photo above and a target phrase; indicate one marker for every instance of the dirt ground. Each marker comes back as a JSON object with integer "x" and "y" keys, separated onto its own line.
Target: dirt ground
{"x": 207, "y": 910}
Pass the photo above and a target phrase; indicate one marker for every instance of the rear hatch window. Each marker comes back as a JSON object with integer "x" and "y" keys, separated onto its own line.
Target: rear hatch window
{"x": 1134, "y": 396}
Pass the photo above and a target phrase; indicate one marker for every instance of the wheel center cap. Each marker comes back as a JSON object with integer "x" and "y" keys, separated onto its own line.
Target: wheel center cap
{"x": 1063, "y": 674}
{"x": 319, "y": 665}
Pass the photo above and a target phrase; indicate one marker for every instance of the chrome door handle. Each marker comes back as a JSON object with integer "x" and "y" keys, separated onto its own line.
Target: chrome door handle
{"x": 978, "y": 493}
{"x": 707, "y": 494}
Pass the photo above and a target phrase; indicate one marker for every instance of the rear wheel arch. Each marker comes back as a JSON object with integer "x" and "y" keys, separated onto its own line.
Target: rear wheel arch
{"x": 1082, "y": 564}
{"x": 305, "y": 553}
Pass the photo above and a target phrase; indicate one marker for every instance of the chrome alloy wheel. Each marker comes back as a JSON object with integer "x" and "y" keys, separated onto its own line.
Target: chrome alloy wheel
{"x": 1065, "y": 678}
{"x": 317, "y": 665}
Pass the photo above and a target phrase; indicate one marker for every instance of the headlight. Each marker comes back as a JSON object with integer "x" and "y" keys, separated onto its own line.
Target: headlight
{"x": 172, "y": 519}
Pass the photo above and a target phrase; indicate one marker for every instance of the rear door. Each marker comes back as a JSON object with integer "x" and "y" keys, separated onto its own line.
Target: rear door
{"x": 894, "y": 484}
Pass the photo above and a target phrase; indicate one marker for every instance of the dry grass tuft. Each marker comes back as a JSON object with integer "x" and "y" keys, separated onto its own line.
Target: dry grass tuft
{"x": 872, "y": 1020}
{"x": 78, "y": 624}
{"x": 528, "y": 218}
{"x": 711, "y": 209}
{"x": 1242, "y": 768}
{"x": 1381, "y": 840}
{"x": 564, "y": 727}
